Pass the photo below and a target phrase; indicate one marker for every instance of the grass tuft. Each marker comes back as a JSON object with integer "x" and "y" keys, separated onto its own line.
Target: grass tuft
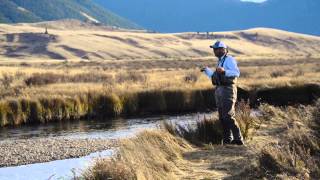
{"x": 248, "y": 123}
{"x": 109, "y": 169}
{"x": 297, "y": 154}
{"x": 208, "y": 131}
{"x": 149, "y": 155}
{"x": 205, "y": 131}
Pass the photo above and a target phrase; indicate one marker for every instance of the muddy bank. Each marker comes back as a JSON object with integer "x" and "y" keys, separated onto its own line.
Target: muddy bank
{"x": 36, "y": 150}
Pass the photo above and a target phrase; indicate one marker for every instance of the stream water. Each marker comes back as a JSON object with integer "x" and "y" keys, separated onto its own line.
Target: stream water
{"x": 65, "y": 169}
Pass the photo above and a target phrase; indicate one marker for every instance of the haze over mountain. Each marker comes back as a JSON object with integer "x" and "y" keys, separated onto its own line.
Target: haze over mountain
{"x": 219, "y": 15}
{"x": 16, "y": 11}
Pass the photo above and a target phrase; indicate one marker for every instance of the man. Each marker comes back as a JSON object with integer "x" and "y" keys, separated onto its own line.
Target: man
{"x": 225, "y": 78}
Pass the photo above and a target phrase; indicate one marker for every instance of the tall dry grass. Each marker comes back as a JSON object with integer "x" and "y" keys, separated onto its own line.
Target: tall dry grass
{"x": 159, "y": 154}
{"x": 209, "y": 131}
{"x": 108, "y": 104}
{"x": 101, "y": 105}
{"x": 150, "y": 155}
{"x": 297, "y": 153}
{"x": 248, "y": 122}
{"x": 106, "y": 91}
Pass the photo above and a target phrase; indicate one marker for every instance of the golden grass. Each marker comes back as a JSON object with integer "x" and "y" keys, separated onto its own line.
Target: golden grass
{"x": 78, "y": 79}
{"x": 209, "y": 131}
{"x": 150, "y": 155}
{"x": 104, "y": 104}
{"x": 146, "y": 78}
{"x": 139, "y": 90}
{"x": 295, "y": 155}
{"x": 286, "y": 147}
{"x": 28, "y": 42}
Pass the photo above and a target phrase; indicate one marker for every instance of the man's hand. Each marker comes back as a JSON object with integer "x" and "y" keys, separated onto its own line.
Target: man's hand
{"x": 220, "y": 70}
{"x": 203, "y": 69}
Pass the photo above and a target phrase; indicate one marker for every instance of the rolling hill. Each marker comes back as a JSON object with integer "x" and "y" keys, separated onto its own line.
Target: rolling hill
{"x": 219, "y": 15}
{"x": 75, "y": 40}
{"x": 15, "y": 11}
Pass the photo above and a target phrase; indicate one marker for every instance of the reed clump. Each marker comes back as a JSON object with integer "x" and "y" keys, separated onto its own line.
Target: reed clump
{"x": 247, "y": 121}
{"x": 296, "y": 154}
{"x": 149, "y": 155}
{"x": 100, "y": 105}
{"x": 109, "y": 104}
{"x": 109, "y": 169}
{"x": 40, "y": 79}
{"x": 42, "y": 110}
{"x": 209, "y": 130}
{"x": 131, "y": 76}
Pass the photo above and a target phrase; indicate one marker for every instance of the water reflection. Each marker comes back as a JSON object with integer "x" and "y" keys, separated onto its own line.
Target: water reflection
{"x": 90, "y": 128}
{"x": 62, "y": 169}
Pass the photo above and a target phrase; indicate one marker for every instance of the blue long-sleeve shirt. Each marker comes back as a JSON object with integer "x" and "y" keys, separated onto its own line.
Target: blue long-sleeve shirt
{"x": 230, "y": 66}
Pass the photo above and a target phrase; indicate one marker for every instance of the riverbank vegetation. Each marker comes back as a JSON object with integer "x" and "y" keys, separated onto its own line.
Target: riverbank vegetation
{"x": 37, "y": 92}
{"x": 286, "y": 145}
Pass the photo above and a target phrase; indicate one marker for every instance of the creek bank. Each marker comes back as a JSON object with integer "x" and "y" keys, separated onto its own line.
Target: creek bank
{"x": 36, "y": 150}
{"x": 109, "y": 105}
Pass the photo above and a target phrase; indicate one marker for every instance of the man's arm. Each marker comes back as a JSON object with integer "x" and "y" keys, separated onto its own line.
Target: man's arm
{"x": 209, "y": 72}
{"x": 231, "y": 68}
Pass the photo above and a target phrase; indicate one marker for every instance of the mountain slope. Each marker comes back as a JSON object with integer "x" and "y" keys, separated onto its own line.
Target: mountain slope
{"x": 219, "y": 15}
{"x": 79, "y": 42}
{"x": 46, "y": 10}
{"x": 11, "y": 12}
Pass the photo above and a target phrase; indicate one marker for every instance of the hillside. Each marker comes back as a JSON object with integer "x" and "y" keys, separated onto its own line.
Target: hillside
{"x": 15, "y": 11}
{"x": 74, "y": 40}
{"x": 219, "y": 15}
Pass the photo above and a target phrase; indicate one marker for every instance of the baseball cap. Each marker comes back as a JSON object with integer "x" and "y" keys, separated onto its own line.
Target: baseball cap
{"x": 218, "y": 44}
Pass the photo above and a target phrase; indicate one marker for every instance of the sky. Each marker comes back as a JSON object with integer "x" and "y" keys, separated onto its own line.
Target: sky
{"x": 257, "y": 1}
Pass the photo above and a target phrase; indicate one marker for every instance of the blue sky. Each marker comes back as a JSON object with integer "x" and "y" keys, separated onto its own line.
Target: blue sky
{"x": 257, "y": 1}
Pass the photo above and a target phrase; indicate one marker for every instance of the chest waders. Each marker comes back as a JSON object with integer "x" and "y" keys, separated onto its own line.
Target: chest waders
{"x": 226, "y": 97}
{"x": 220, "y": 79}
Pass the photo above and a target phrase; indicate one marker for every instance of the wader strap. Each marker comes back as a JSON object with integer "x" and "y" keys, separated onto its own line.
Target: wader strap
{"x": 223, "y": 60}
{"x": 217, "y": 74}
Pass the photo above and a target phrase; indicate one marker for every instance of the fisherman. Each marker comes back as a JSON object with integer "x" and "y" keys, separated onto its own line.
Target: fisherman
{"x": 225, "y": 78}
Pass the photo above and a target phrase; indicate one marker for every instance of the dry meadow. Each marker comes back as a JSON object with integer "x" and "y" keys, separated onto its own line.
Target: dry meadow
{"x": 66, "y": 73}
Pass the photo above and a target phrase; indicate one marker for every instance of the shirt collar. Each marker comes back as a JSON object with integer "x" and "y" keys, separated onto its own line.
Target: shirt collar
{"x": 222, "y": 57}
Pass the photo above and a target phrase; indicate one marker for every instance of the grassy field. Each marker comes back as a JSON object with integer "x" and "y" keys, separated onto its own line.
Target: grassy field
{"x": 54, "y": 91}
{"x": 72, "y": 41}
{"x": 75, "y": 72}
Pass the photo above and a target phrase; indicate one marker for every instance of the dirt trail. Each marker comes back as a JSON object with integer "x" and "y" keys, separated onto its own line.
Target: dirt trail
{"x": 228, "y": 162}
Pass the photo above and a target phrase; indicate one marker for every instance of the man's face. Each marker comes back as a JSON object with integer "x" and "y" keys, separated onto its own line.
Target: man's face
{"x": 219, "y": 52}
